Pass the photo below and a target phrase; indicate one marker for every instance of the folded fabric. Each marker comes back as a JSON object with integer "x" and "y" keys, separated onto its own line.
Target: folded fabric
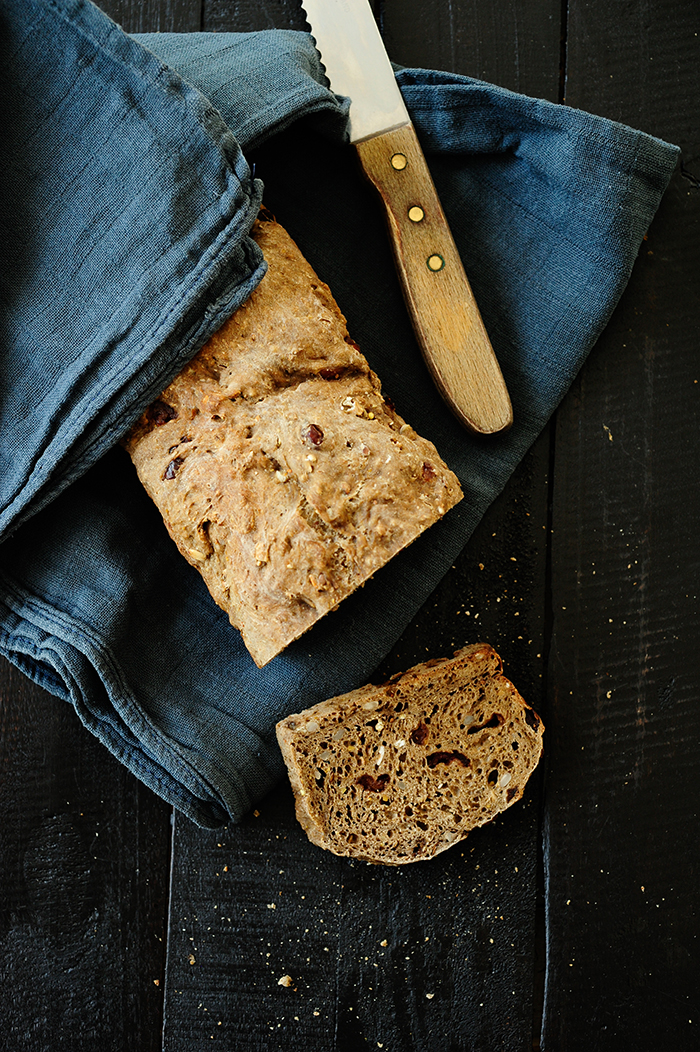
{"x": 127, "y": 202}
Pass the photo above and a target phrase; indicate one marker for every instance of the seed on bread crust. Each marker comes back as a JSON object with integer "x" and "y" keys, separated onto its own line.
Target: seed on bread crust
{"x": 309, "y": 480}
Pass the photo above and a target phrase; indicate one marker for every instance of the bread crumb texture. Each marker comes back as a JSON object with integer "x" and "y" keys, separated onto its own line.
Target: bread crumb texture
{"x": 281, "y": 472}
{"x": 400, "y": 772}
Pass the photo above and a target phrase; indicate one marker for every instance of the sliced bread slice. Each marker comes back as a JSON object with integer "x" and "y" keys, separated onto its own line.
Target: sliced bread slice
{"x": 399, "y": 772}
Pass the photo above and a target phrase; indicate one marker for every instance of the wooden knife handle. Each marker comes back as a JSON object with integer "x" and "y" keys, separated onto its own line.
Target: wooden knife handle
{"x": 445, "y": 315}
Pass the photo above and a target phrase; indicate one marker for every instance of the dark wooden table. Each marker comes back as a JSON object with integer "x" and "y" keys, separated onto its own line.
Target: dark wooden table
{"x": 569, "y": 924}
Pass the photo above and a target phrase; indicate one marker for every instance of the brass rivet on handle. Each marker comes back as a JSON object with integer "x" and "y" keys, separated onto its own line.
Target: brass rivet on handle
{"x": 399, "y": 161}
{"x": 416, "y": 214}
{"x": 435, "y": 262}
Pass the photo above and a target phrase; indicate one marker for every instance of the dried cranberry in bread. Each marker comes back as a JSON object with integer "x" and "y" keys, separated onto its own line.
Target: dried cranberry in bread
{"x": 399, "y": 772}
{"x": 281, "y": 472}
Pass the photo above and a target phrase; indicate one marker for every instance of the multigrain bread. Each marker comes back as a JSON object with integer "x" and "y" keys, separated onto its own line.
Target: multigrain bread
{"x": 281, "y": 472}
{"x": 399, "y": 772}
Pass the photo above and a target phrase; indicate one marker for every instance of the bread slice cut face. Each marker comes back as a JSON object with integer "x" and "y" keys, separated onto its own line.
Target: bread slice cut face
{"x": 400, "y": 772}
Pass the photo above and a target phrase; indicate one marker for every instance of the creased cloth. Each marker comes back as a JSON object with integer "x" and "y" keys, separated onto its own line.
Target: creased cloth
{"x": 127, "y": 200}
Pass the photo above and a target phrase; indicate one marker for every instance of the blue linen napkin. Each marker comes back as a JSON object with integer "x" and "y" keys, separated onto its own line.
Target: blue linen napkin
{"x": 127, "y": 202}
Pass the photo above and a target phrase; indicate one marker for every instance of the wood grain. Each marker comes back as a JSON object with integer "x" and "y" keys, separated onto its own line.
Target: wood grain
{"x": 84, "y": 848}
{"x": 597, "y": 623}
{"x": 332, "y": 917}
{"x": 621, "y": 851}
{"x": 515, "y": 44}
{"x": 156, "y": 16}
{"x": 445, "y": 315}
{"x": 246, "y": 16}
{"x": 84, "y": 853}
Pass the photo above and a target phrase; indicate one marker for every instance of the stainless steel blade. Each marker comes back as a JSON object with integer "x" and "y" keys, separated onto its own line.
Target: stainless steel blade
{"x": 357, "y": 64}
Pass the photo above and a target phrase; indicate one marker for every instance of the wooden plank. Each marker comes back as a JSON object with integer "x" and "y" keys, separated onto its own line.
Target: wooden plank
{"x": 84, "y": 853}
{"x": 515, "y": 44}
{"x": 247, "y": 16}
{"x": 365, "y": 946}
{"x": 84, "y": 848}
{"x": 621, "y": 850}
{"x": 155, "y": 16}
{"x": 438, "y": 953}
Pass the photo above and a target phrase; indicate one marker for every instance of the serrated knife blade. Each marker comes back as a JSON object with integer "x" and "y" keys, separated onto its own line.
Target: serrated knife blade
{"x": 445, "y": 316}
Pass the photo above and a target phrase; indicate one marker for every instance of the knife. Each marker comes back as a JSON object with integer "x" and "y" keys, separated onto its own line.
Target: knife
{"x": 445, "y": 316}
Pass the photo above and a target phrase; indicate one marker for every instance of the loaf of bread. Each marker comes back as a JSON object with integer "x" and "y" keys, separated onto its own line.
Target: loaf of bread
{"x": 399, "y": 772}
{"x": 281, "y": 472}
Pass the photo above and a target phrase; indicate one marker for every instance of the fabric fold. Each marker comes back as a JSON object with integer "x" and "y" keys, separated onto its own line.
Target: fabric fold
{"x": 548, "y": 206}
{"x": 126, "y": 207}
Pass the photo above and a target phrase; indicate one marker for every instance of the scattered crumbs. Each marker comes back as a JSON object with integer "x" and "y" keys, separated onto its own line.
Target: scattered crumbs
{"x": 257, "y": 814}
{"x": 191, "y": 958}
{"x": 286, "y": 980}
{"x": 430, "y": 996}
{"x": 384, "y": 942}
{"x": 272, "y": 905}
{"x": 156, "y": 982}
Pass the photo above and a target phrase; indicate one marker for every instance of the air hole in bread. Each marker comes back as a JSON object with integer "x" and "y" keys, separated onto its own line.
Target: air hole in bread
{"x": 495, "y": 721}
{"x": 448, "y": 757}
{"x": 532, "y": 719}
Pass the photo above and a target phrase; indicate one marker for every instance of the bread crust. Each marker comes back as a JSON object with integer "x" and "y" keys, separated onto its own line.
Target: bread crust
{"x": 282, "y": 474}
{"x": 397, "y": 773}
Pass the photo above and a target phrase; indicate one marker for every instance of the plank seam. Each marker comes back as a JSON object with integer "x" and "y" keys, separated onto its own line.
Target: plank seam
{"x": 563, "y": 48}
